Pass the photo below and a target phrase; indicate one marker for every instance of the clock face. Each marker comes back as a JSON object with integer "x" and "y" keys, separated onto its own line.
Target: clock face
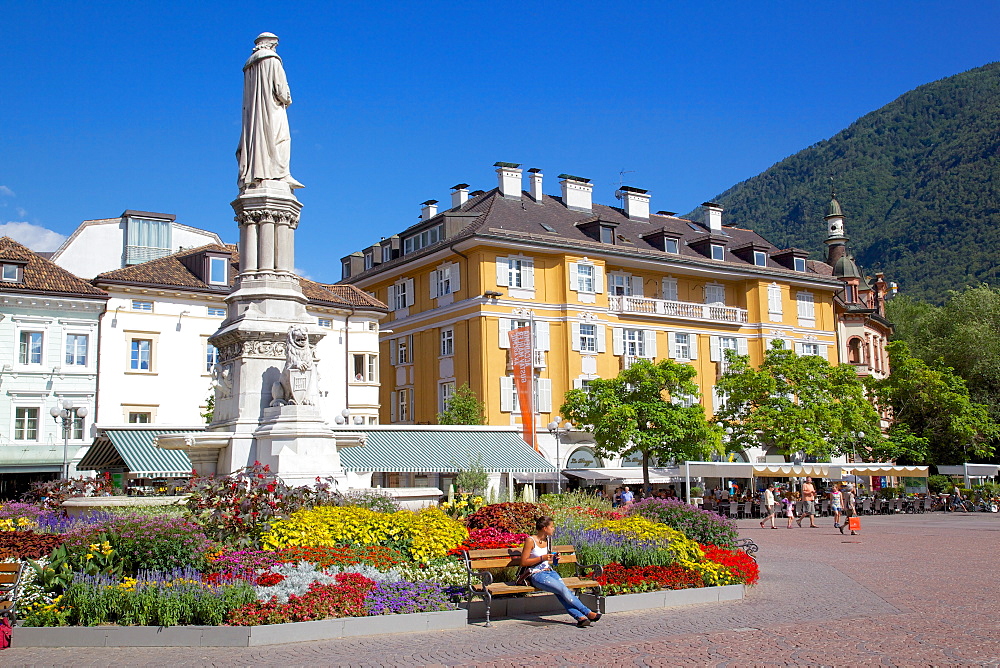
{"x": 836, "y": 227}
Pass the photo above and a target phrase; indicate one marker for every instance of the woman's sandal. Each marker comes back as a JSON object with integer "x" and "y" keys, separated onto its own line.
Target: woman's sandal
{"x": 583, "y": 623}
{"x": 597, "y": 618}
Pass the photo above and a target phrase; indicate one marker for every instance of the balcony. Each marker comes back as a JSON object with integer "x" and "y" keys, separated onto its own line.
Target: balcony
{"x": 665, "y": 308}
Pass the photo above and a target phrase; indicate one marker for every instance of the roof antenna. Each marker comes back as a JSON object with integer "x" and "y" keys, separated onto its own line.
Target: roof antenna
{"x": 621, "y": 181}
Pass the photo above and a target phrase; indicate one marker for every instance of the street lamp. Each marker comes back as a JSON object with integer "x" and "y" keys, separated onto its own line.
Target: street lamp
{"x": 558, "y": 427}
{"x": 67, "y": 414}
{"x": 344, "y": 416}
{"x": 858, "y": 436}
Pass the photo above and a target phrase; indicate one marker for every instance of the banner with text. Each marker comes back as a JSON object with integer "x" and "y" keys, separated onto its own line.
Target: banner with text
{"x": 521, "y": 350}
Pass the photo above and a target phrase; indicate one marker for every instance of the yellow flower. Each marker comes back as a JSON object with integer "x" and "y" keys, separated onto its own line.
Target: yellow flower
{"x": 89, "y": 556}
{"x": 94, "y": 547}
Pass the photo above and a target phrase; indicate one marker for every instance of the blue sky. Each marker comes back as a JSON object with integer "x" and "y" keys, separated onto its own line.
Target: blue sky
{"x": 130, "y": 105}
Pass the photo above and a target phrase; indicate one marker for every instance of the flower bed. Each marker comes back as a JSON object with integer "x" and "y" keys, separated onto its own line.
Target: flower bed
{"x": 316, "y": 555}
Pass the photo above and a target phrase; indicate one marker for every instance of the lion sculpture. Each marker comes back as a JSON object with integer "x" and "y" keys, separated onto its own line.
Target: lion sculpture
{"x": 295, "y": 384}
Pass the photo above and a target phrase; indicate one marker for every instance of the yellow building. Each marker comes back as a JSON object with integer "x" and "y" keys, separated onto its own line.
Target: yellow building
{"x": 604, "y": 286}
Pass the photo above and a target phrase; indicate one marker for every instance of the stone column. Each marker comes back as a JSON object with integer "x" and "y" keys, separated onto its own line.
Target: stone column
{"x": 248, "y": 246}
{"x": 265, "y": 257}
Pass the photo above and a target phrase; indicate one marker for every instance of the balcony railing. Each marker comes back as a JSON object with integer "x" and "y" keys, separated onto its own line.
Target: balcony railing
{"x": 665, "y": 308}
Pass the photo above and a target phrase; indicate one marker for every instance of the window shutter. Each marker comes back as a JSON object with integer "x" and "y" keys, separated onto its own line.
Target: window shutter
{"x": 392, "y": 297}
{"x": 577, "y": 383}
{"x": 741, "y": 347}
{"x": 504, "y": 328}
{"x": 798, "y": 348}
{"x": 670, "y": 289}
{"x": 503, "y": 271}
{"x": 714, "y": 352}
{"x": 506, "y": 394}
{"x": 716, "y": 404}
{"x": 671, "y": 345}
{"x": 598, "y": 279}
{"x": 409, "y": 292}
{"x": 435, "y": 277}
{"x": 574, "y": 280}
{"x": 693, "y": 338}
{"x": 649, "y": 340}
{"x": 774, "y": 299}
{"x": 575, "y": 336}
{"x": 528, "y": 273}
{"x": 824, "y": 352}
{"x": 455, "y": 274}
{"x": 601, "y": 342}
{"x": 544, "y": 395}
{"x": 618, "y": 340}
{"x": 715, "y": 294}
{"x": 542, "y": 336}
{"x": 637, "y": 286}
{"x": 394, "y": 348}
{"x": 392, "y": 406}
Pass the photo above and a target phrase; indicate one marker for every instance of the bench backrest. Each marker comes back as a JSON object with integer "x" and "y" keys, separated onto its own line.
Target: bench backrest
{"x": 510, "y": 557}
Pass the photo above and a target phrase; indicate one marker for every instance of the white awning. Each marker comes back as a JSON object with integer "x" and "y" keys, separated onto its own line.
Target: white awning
{"x": 632, "y": 475}
{"x": 876, "y": 469}
{"x": 971, "y": 470}
{"x": 744, "y": 470}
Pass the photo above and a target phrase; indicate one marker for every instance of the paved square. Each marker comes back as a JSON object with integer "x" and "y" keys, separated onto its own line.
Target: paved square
{"x": 910, "y": 590}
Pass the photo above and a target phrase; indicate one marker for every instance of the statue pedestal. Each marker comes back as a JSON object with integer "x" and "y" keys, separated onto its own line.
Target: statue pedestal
{"x": 300, "y": 447}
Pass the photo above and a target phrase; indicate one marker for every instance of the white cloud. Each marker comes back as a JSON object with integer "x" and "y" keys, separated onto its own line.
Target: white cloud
{"x": 6, "y": 192}
{"x": 21, "y": 213}
{"x": 303, "y": 274}
{"x": 35, "y": 237}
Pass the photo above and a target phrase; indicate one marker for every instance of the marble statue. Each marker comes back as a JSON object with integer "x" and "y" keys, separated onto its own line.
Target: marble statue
{"x": 296, "y": 382}
{"x": 265, "y": 144}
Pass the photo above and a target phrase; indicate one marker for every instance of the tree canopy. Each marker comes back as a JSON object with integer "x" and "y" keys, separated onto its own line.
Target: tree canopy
{"x": 794, "y": 404}
{"x": 649, "y": 408}
{"x": 463, "y": 407}
{"x": 934, "y": 419}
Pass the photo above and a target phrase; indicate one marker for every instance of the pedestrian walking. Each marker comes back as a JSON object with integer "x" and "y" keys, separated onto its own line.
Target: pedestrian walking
{"x": 808, "y": 503}
{"x": 837, "y": 504}
{"x": 627, "y": 497}
{"x": 769, "y": 506}
{"x": 789, "y": 502}
{"x": 850, "y": 506}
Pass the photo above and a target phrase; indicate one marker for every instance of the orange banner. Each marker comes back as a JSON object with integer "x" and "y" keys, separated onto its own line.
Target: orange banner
{"x": 521, "y": 350}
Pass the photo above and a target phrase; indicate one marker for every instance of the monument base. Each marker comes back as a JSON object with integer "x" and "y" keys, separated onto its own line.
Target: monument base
{"x": 299, "y": 446}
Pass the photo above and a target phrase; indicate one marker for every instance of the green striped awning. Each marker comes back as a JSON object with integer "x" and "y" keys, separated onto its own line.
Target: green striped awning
{"x": 442, "y": 451}
{"x": 134, "y": 450}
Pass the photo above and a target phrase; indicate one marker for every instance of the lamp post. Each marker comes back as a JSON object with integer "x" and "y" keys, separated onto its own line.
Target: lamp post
{"x": 345, "y": 418}
{"x": 858, "y": 436}
{"x": 67, "y": 414}
{"x": 558, "y": 427}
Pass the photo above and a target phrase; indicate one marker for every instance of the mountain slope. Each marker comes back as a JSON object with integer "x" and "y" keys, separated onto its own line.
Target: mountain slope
{"x": 917, "y": 181}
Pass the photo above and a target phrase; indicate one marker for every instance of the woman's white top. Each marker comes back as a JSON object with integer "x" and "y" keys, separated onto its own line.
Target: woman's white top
{"x": 537, "y": 551}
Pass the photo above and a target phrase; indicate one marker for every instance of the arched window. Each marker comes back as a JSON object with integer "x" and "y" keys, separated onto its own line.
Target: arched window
{"x": 583, "y": 458}
{"x": 855, "y": 351}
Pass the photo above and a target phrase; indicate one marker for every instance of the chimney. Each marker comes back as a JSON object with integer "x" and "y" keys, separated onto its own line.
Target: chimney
{"x": 429, "y": 209}
{"x": 635, "y": 201}
{"x": 577, "y": 192}
{"x": 509, "y": 177}
{"x": 536, "y": 184}
{"x": 713, "y": 216}
{"x": 459, "y": 195}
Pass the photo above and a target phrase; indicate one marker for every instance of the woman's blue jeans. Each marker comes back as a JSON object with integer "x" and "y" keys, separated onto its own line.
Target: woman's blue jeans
{"x": 550, "y": 581}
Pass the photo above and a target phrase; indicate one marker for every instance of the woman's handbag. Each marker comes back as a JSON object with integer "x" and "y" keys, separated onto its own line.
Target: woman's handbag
{"x": 854, "y": 523}
{"x": 523, "y": 577}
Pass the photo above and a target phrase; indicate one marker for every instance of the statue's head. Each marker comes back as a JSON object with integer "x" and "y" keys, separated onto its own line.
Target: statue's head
{"x": 266, "y": 40}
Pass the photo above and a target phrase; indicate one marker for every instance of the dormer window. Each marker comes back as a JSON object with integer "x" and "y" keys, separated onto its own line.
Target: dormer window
{"x": 345, "y": 271}
{"x": 760, "y": 258}
{"x": 800, "y": 264}
{"x": 369, "y": 259}
{"x": 12, "y": 273}
{"x": 671, "y": 246}
{"x": 718, "y": 252}
{"x": 599, "y": 230}
{"x": 218, "y": 271}
{"x": 607, "y": 234}
{"x": 791, "y": 258}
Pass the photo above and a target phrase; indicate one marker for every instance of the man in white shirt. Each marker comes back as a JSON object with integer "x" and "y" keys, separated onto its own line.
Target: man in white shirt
{"x": 769, "y": 506}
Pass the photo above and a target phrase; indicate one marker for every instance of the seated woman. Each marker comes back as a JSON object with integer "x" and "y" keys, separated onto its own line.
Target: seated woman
{"x": 535, "y": 555}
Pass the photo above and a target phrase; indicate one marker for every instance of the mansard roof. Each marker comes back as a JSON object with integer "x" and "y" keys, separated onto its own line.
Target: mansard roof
{"x": 40, "y": 275}
{"x": 550, "y": 222}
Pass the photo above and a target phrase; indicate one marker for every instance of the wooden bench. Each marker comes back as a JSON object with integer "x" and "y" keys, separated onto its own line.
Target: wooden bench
{"x": 480, "y": 563}
{"x": 10, "y": 575}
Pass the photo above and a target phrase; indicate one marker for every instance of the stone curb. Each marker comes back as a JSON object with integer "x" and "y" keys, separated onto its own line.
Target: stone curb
{"x": 665, "y": 598}
{"x": 236, "y": 636}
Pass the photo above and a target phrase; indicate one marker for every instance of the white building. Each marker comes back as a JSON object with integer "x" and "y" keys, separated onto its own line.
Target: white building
{"x": 132, "y": 238}
{"x": 49, "y": 323}
{"x": 157, "y": 363}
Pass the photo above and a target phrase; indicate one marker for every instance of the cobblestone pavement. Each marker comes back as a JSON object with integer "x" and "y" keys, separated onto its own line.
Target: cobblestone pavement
{"x": 909, "y": 590}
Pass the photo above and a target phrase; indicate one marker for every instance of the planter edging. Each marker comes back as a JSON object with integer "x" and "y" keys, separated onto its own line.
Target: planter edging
{"x": 236, "y": 636}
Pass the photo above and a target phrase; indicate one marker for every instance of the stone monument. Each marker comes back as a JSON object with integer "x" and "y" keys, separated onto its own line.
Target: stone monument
{"x": 264, "y": 379}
